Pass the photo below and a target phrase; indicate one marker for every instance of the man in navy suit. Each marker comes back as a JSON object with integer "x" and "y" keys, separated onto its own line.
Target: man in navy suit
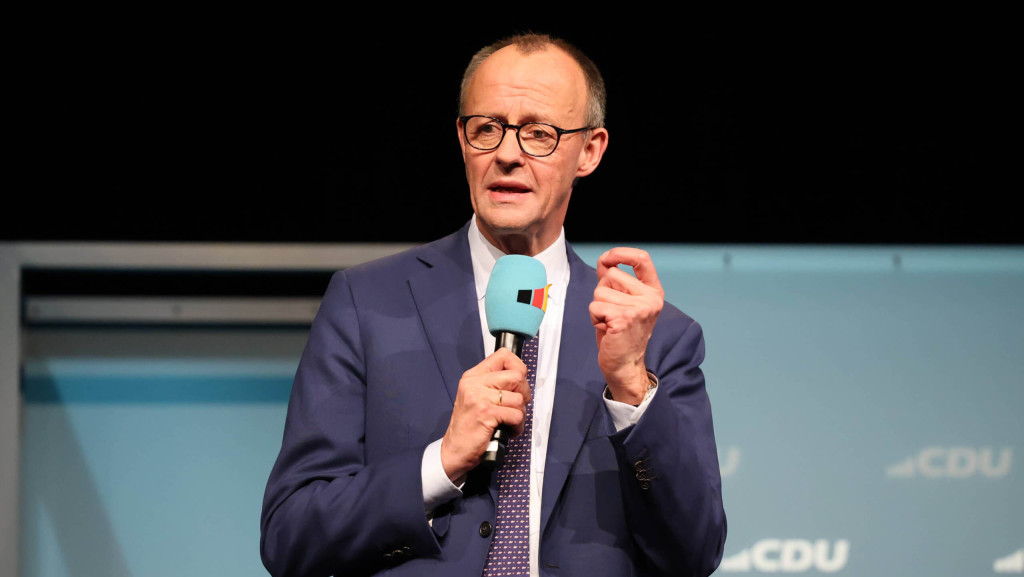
{"x": 396, "y": 397}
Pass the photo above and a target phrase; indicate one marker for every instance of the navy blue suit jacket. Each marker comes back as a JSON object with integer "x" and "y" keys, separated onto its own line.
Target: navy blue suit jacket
{"x": 376, "y": 384}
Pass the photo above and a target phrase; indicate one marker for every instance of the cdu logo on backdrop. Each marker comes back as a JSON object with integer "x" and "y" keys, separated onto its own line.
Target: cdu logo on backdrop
{"x": 789, "y": 556}
{"x": 954, "y": 463}
{"x": 1012, "y": 563}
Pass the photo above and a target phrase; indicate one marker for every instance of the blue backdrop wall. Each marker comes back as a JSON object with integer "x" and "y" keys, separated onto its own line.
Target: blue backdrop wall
{"x": 867, "y": 404}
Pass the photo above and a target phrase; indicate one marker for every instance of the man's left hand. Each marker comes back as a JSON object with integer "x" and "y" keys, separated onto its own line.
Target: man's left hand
{"x": 623, "y": 312}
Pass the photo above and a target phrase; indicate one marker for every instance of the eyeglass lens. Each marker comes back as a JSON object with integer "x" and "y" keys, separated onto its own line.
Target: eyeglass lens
{"x": 486, "y": 134}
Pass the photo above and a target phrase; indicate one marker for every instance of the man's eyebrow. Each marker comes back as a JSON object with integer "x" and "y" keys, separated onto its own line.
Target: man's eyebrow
{"x": 533, "y": 118}
{"x": 526, "y": 119}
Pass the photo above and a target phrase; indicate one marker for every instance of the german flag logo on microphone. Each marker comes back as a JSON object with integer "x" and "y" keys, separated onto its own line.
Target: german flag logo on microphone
{"x": 536, "y": 297}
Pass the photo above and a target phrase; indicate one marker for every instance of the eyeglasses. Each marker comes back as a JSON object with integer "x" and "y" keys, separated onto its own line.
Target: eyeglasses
{"x": 535, "y": 138}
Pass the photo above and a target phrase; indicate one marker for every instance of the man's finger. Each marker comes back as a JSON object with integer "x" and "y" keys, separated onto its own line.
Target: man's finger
{"x": 622, "y": 281}
{"x": 508, "y": 380}
{"x": 639, "y": 259}
{"x": 614, "y": 295}
{"x": 600, "y": 314}
{"x": 499, "y": 360}
{"x": 518, "y": 384}
{"x": 512, "y": 399}
{"x": 511, "y": 417}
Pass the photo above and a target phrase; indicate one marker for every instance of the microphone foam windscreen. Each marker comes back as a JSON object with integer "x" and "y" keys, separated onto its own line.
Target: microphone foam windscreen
{"x": 517, "y": 296}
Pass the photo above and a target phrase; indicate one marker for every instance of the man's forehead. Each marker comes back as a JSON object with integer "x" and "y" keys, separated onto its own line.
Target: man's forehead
{"x": 548, "y": 74}
{"x": 546, "y": 63}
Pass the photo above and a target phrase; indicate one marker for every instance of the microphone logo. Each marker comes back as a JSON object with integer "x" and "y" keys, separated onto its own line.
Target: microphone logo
{"x": 536, "y": 297}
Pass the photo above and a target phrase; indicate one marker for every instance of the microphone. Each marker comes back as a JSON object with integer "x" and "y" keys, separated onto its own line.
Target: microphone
{"x": 514, "y": 304}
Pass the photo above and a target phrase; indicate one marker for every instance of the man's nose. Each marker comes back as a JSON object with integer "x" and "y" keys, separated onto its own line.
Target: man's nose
{"x": 508, "y": 151}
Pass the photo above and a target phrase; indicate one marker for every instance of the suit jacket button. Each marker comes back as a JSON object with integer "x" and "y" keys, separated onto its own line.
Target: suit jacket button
{"x": 485, "y": 529}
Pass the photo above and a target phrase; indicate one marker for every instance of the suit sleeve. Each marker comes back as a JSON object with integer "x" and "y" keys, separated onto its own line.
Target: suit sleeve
{"x": 671, "y": 483}
{"x": 326, "y": 509}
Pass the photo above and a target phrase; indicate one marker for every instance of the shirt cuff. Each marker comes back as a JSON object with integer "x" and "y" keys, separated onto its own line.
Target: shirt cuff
{"x": 623, "y": 414}
{"x": 437, "y": 487}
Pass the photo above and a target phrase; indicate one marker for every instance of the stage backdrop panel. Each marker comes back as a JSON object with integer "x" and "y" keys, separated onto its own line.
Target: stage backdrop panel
{"x": 867, "y": 405}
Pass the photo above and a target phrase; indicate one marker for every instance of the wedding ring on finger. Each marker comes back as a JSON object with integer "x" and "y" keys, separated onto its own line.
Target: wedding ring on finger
{"x": 499, "y": 397}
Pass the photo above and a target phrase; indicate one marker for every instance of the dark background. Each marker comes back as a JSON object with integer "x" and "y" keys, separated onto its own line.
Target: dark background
{"x": 773, "y": 128}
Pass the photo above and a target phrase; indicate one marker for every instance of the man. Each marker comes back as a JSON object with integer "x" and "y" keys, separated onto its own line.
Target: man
{"x": 395, "y": 400}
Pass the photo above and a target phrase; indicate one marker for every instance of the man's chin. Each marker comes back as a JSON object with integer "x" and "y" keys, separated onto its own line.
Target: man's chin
{"x": 505, "y": 227}
{"x": 508, "y": 218}
{"x": 503, "y": 222}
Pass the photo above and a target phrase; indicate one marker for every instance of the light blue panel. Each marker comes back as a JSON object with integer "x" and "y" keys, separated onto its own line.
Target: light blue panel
{"x": 147, "y": 453}
{"x": 867, "y": 408}
{"x": 870, "y": 396}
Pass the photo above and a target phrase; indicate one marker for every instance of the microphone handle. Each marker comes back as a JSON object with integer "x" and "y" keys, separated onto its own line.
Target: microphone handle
{"x": 511, "y": 341}
{"x": 494, "y": 456}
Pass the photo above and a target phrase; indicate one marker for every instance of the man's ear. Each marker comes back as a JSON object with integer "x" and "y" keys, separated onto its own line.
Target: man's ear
{"x": 592, "y": 151}
{"x": 462, "y": 141}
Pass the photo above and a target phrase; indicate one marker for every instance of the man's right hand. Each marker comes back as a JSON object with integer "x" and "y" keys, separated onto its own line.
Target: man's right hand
{"x": 499, "y": 377}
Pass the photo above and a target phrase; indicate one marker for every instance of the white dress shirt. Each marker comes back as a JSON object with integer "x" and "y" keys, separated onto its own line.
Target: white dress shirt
{"x": 437, "y": 488}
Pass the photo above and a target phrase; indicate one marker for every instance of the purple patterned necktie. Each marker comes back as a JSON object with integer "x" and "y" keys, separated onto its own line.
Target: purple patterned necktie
{"x": 509, "y": 554}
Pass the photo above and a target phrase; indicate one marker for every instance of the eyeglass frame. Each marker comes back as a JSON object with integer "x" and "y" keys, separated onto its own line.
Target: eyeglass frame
{"x": 504, "y": 130}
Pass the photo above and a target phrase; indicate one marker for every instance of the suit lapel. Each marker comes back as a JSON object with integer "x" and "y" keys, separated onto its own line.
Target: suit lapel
{"x": 578, "y": 385}
{"x": 445, "y": 296}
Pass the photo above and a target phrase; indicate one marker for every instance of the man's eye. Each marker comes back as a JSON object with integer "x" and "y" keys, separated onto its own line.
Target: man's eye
{"x": 539, "y": 134}
{"x": 488, "y": 131}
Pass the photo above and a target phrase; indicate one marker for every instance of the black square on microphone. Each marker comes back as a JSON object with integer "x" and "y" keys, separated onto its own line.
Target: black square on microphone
{"x": 525, "y": 296}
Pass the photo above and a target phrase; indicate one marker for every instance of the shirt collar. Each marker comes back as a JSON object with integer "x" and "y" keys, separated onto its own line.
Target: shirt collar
{"x": 485, "y": 255}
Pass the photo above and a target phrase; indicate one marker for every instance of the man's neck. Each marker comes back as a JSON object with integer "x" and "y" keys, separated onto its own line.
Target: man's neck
{"x": 518, "y": 243}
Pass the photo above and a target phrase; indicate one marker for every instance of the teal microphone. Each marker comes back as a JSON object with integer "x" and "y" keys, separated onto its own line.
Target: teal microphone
{"x": 514, "y": 303}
